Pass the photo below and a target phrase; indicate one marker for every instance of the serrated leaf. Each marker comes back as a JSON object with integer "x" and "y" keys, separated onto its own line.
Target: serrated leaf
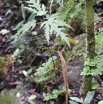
{"x": 36, "y": 7}
{"x": 54, "y": 25}
{"x": 24, "y": 29}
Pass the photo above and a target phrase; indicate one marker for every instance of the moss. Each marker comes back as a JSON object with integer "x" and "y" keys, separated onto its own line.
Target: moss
{"x": 90, "y": 42}
{"x": 2, "y": 62}
{"x": 8, "y": 99}
{"x": 78, "y": 26}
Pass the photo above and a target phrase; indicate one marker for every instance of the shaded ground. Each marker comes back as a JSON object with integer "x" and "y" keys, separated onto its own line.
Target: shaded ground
{"x": 10, "y": 15}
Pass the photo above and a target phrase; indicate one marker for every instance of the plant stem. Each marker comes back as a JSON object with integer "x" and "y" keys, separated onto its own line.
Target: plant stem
{"x": 64, "y": 70}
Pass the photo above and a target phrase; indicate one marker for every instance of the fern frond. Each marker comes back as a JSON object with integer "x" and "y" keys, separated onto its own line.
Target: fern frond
{"x": 24, "y": 29}
{"x": 45, "y": 70}
{"x": 54, "y": 25}
{"x": 35, "y": 7}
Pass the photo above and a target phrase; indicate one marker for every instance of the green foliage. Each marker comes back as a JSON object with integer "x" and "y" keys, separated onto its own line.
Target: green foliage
{"x": 87, "y": 100}
{"x": 71, "y": 10}
{"x": 100, "y": 102}
{"x": 89, "y": 97}
{"x": 46, "y": 71}
{"x": 2, "y": 62}
{"x": 99, "y": 37}
{"x": 74, "y": 100}
{"x": 97, "y": 62}
{"x": 65, "y": 9}
{"x": 54, "y": 94}
{"x": 95, "y": 85}
{"x": 8, "y": 99}
{"x": 51, "y": 24}
{"x": 36, "y": 8}
{"x": 54, "y": 25}
{"x": 25, "y": 28}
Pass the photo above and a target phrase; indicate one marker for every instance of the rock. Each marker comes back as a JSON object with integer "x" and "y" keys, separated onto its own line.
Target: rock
{"x": 10, "y": 96}
{"x": 78, "y": 27}
{"x": 74, "y": 73}
{"x": 75, "y": 65}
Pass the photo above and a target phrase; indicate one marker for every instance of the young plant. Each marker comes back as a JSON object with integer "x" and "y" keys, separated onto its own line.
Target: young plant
{"x": 54, "y": 94}
{"x": 46, "y": 71}
{"x": 51, "y": 23}
{"x": 71, "y": 9}
{"x": 97, "y": 62}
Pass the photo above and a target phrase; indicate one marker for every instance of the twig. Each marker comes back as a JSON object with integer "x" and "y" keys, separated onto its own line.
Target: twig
{"x": 51, "y": 6}
{"x": 32, "y": 61}
{"x": 64, "y": 74}
{"x": 51, "y": 56}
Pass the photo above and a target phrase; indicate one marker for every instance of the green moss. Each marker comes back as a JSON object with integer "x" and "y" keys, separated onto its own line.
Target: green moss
{"x": 90, "y": 42}
{"x": 8, "y": 99}
{"x": 2, "y": 62}
{"x": 4, "y": 59}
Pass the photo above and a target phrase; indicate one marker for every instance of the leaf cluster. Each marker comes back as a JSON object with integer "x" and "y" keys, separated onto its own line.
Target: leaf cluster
{"x": 87, "y": 100}
{"x": 54, "y": 94}
{"x": 95, "y": 66}
{"x": 46, "y": 71}
{"x": 71, "y": 9}
{"x": 51, "y": 23}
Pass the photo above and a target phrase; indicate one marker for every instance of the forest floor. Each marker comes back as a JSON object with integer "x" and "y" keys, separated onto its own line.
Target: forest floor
{"x": 17, "y": 84}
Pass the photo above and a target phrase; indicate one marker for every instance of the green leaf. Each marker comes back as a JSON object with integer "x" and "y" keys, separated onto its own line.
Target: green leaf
{"x": 35, "y": 7}
{"x": 54, "y": 94}
{"x": 72, "y": 102}
{"x": 46, "y": 69}
{"x": 19, "y": 61}
{"x": 89, "y": 97}
{"x": 53, "y": 25}
{"x": 32, "y": 16}
{"x": 23, "y": 11}
{"x": 24, "y": 29}
{"x": 100, "y": 102}
{"x": 76, "y": 99}
{"x": 94, "y": 85}
{"x": 19, "y": 25}
{"x": 34, "y": 33}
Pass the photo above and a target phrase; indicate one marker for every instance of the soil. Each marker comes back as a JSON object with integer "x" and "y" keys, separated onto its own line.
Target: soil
{"x": 20, "y": 85}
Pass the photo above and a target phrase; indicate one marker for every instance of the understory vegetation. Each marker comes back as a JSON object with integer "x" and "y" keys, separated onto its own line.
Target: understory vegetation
{"x": 51, "y": 51}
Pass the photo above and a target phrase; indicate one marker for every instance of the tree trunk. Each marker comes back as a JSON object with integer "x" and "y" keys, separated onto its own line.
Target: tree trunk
{"x": 90, "y": 46}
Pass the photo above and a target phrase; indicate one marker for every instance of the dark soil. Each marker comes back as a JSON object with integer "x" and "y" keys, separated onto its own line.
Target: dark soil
{"x": 10, "y": 16}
